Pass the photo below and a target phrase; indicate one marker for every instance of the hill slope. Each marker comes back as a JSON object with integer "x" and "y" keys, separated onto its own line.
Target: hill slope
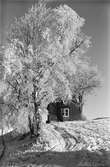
{"x": 68, "y": 144}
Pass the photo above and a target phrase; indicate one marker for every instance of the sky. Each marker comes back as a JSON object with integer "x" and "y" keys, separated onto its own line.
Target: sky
{"x": 97, "y": 25}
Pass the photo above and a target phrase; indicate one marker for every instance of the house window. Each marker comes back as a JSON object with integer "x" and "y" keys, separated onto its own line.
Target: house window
{"x": 65, "y": 112}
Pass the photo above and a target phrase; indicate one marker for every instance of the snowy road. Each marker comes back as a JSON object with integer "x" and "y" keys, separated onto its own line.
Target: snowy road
{"x": 67, "y": 144}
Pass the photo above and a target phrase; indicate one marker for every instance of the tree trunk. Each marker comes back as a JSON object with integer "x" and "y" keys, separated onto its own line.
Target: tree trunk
{"x": 36, "y": 120}
{"x": 81, "y": 108}
{"x": 3, "y": 144}
{"x": 31, "y": 126}
{"x": 81, "y": 102}
{"x": 2, "y": 135}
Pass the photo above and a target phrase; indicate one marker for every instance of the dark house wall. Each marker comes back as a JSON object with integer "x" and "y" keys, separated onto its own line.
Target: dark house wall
{"x": 56, "y": 109}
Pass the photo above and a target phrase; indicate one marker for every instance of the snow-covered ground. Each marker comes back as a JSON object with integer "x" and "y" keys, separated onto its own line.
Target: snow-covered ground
{"x": 6, "y": 130}
{"x": 63, "y": 144}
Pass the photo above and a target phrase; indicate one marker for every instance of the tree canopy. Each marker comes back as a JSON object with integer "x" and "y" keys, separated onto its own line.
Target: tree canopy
{"x": 45, "y": 58}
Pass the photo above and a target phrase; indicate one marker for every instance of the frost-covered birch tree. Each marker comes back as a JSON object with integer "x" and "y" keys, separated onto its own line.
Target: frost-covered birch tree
{"x": 84, "y": 82}
{"x": 43, "y": 51}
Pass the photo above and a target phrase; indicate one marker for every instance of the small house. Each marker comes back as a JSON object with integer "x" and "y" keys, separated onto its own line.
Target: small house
{"x": 64, "y": 112}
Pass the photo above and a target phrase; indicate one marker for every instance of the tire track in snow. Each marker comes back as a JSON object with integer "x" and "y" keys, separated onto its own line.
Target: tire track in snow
{"x": 70, "y": 140}
{"x": 53, "y": 138}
